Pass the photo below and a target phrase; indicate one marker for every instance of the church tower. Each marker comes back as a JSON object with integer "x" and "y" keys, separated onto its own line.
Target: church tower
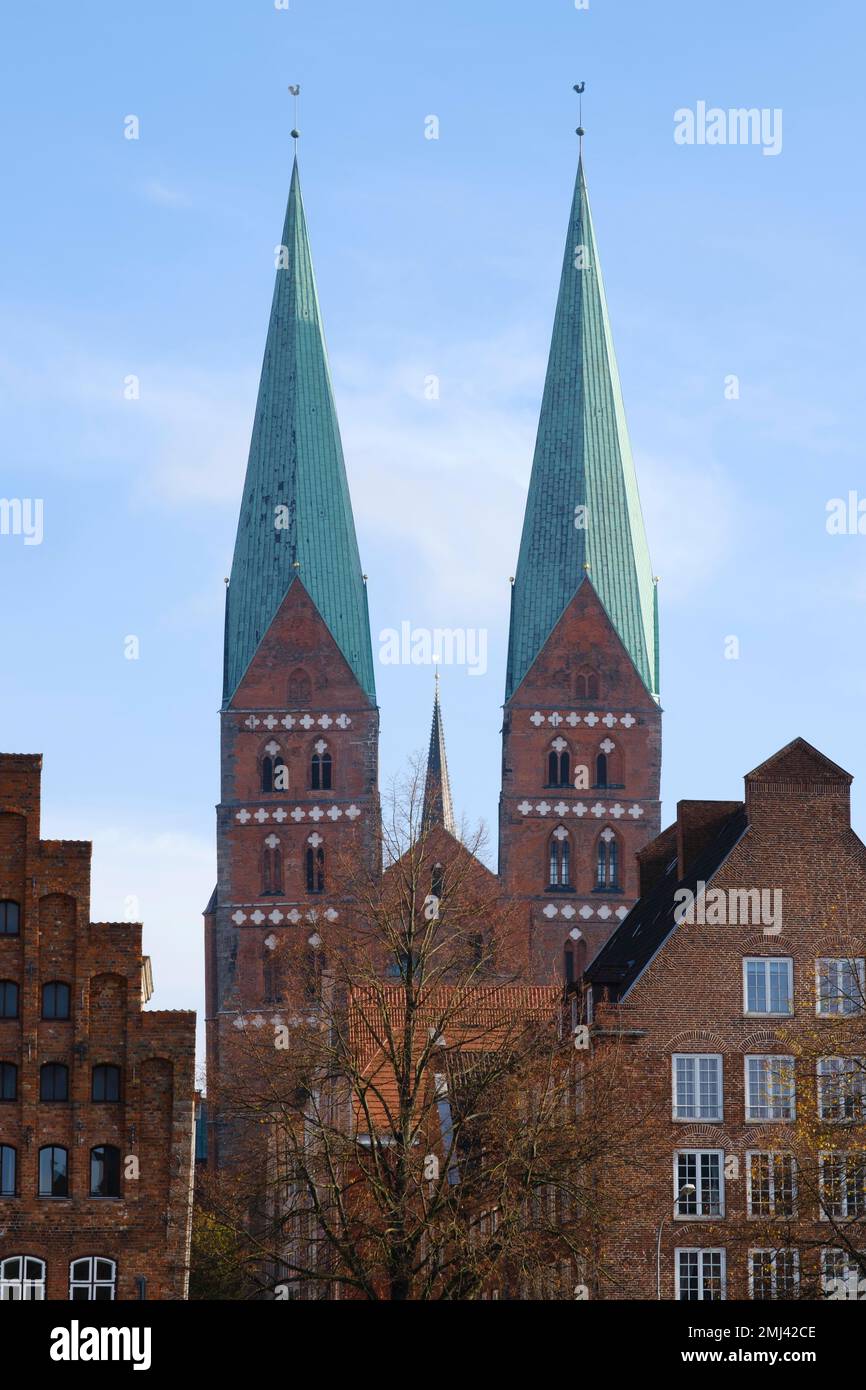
{"x": 581, "y": 751}
{"x": 299, "y": 722}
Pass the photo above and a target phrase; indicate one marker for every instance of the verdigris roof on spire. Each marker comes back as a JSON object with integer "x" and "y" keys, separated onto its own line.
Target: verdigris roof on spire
{"x": 582, "y": 460}
{"x": 296, "y": 515}
{"x": 438, "y": 807}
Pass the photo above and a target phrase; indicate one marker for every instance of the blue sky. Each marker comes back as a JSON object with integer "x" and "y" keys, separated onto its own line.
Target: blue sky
{"x": 154, "y": 258}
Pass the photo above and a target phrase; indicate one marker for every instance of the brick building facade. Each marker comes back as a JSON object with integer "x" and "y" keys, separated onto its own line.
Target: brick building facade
{"x": 96, "y": 1093}
{"x": 748, "y": 1024}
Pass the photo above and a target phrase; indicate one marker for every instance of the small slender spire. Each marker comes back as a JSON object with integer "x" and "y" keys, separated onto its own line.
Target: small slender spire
{"x": 438, "y": 808}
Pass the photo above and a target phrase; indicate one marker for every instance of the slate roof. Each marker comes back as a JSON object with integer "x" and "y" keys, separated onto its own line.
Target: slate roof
{"x": 296, "y": 462}
{"x": 582, "y": 457}
{"x": 438, "y": 807}
{"x": 650, "y": 922}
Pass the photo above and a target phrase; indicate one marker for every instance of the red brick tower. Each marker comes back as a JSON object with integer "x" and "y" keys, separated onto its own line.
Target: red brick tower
{"x": 582, "y": 726}
{"x": 299, "y": 719}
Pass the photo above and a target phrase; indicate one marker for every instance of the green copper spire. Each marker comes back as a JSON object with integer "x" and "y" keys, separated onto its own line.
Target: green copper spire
{"x": 583, "y": 512}
{"x": 296, "y": 515}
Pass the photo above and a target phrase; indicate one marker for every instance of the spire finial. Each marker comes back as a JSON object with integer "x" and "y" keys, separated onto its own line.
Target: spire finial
{"x": 580, "y": 87}
{"x": 296, "y": 94}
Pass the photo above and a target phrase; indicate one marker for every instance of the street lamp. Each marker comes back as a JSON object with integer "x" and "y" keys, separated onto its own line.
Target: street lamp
{"x": 688, "y": 1189}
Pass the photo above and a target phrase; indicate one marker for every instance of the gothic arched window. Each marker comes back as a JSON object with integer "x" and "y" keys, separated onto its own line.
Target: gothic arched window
{"x": 275, "y": 773}
{"x": 607, "y": 861}
{"x": 559, "y": 859}
{"x": 321, "y": 768}
{"x": 272, "y": 866}
{"x": 601, "y": 770}
{"x": 300, "y": 690}
{"x": 586, "y": 684}
{"x": 559, "y": 764}
{"x": 315, "y": 867}
{"x": 312, "y": 967}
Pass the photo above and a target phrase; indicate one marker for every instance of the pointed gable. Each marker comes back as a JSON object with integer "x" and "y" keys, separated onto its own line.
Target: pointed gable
{"x": 296, "y": 514}
{"x": 582, "y": 460}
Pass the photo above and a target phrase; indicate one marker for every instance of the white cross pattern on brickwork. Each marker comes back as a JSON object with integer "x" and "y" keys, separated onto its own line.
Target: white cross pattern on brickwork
{"x": 559, "y": 744}
{"x": 315, "y": 840}
{"x": 560, "y": 833}
{"x": 288, "y": 721}
{"x": 598, "y": 809}
{"x": 276, "y": 917}
{"x": 294, "y": 916}
{"x": 343, "y": 720}
{"x": 239, "y": 917}
{"x": 576, "y": 934}
{"x": 261, "y": 815}
{"x": 604, "y": 912}
{"x": 607, "y": 834}
{"x": 307, "y": 722}
{"x": 279, "y": 815}
{"x": 554, "y": 719}
{"x": 257, "y": 917}
{"x": 585, "y": 912}
{"x": 334, "y": 813}
{"x": 243, "y": 816}
{"x": 320, "y": 745}
{"x": 627, "y": 720}
{"x": 271, "y": 941}
{"x": 560, "y": 808}
{"x": 315, "y": 941}
{"x": 617, "y": 810}
{"x": 331, "y": 914}
{"x": 542, "y": 808}
{"x": 272, "y": 841}
{"x": 272, "y": 748}
{"x": 635, "y": 811}
{"x": 316, "y": 814}
{"x": 352, "y": 812}
{"x": 325, "y": 722}
{"x": 568, "y": 912}
{"x": 573, "y": 719}
{"x": 297, "y": 815}
{"x": 271, "y": 722}
{"x": 524, "y": 808}
{"x": 251, "y": 721}
{"x": 607, "y": 746}
{"x": 580, "y": 809}
{"x": 590, "y": 719}
{"x": 536, "y": 718}
{"x": 609, "y": 720}
{"x": 622, "y": 912}
{"x": 550, "y": 910}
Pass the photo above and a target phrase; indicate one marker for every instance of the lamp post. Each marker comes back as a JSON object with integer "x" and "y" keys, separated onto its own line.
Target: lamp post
{"x": 688, "y": 1189}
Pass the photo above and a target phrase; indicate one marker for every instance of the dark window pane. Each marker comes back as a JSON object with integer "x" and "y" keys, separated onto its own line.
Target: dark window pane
{"x": 55, "y": 1000}
{"x": 106, "y": 1083}
{"x": 54, "y": 1081}
{"x": 7, "y": 1170}
{"x": 53, "y": 1172}
{"x": 105, "y": 1171}
{"x": 8, "y": 999}
{"x": 8, "y": 1081}
{"x": 9, "y": 918}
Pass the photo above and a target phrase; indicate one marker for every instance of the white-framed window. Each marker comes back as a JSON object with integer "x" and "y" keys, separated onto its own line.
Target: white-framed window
{"x": 774, "y": 1273}
{"x": 839, "y": 986}
{"x": 771, "y": 1183}
{"x": 92, "y": 1279}
{"x": 842, "y": 1181}
{"x": 697, "y": 1086}
{"x": 699, "y": 1183}
{"x": 770, "y": 1091}
{"x": 841, "y": 1275}
{"x": 699, "y": 1275}
{"x": 842, "y": 1088}
{"x": 22, "y": 1278}
{"x": 768, "y": 985}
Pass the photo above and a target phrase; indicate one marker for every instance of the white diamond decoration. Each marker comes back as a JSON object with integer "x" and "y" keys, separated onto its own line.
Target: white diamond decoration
{"x": 272, "y": 748}
{"x": 325, "y": 722}
{"x": 604, "y": 912}
{"x": 627, "y": 720}
{"x": 271, "y": 722}
{"x": 585, "y": 912}
{"x": 580, "y": 809}
{"x": 635, "y": 811}
{"x": 251, "y": 722}
{"x": 243, "y": 816}
{"x": 576, "y": 934}
{"x": 279, "y": 815}
{"x": 560, "y": 808}
{"x": 554, "y": 719}
{"x": 621, "y": 912}
{"x": 343, "y": 720}
{"x": 294, "y": 916}
{"x": 607, "y": 746}
{"x": 316, "y": 814}
{"x": 616, "y": 810}
{"x": 320, "y": 746}
{"x": 307, "y": 722}
{"x": 334, "y": 813}
{"x": 239, "y": 917}
{"x": 590, "y": 719}
{"x": 331, "y": 914}
{"x": 550, "y": 910}
{"x": 536, "y": 718}
{"x": 607, "y": 835}
{"x": 568, "y": 912}
{"x": 572, "y": 719}
{"x": 298, "y": 815}
{"x": 353, "y": 812}
{"x": 524, "y": 808}
{"x": 560, "y": 833}
{"x": 315, "y": 941}
{"x": 542, "y": 808}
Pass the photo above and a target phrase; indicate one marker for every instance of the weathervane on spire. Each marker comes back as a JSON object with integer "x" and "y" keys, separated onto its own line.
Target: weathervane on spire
{"x": 296, "y": 92}
{"x": 580, "y": 87}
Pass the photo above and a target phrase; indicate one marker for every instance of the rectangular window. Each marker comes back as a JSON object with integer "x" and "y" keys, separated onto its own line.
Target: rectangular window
{"x": 697, "y": 1086}
{"x": 839, "y": 986}
{"x": 700, "y": 1275}
{"x": 770, "y": 1088}
{"x": 699, "y": 1182}
{"x": 842, "y": 1185}
{"x": 774, "y": 1273}
{"x": 770, "y": 1183}
{"x": 842, "y": 1088}
{"x": 768, "y": 985}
